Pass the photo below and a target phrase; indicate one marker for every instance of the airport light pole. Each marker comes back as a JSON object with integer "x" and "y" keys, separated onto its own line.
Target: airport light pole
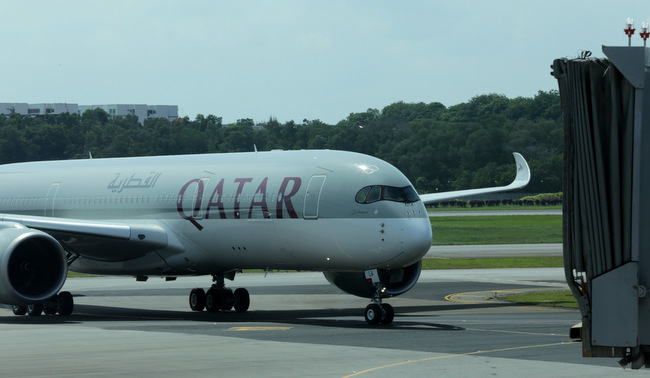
{"x": 629, "y": 30}
{"x": 644, "y": 34}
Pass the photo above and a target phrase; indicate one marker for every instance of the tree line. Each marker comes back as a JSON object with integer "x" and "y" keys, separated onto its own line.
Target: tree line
{"x": 438, "y": 148}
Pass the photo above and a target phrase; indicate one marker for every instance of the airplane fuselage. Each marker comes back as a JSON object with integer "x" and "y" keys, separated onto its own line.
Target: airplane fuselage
{"x": 299, "y": 210}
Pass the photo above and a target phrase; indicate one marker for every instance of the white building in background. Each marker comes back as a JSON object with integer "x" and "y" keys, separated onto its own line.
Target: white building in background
{"x": 23, "y": 108}
{"x": 169, "y": 112}
{"x": 142, "y": 111}
{"x": 7, "y": 108}
{"x": 53, "y": 109}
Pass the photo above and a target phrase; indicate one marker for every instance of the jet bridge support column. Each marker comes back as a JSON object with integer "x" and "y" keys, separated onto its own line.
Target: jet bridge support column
{"x": 607, "y": 199}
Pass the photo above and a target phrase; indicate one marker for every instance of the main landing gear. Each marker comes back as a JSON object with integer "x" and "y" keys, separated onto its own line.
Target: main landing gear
{"x": 61, "y": 304}
{"x": 219, "y": 297}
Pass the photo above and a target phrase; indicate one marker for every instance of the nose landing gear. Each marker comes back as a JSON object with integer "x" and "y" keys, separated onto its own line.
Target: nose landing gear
{"x": 379, "y": 313}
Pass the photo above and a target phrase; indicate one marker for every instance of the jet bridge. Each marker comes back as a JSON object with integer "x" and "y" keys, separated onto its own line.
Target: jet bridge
{"x": 606, "y": 216}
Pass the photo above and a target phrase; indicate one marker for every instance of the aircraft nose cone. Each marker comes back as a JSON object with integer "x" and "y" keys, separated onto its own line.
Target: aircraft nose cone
{"x": 417, "y": 237}
{"x": 414, "y": 242}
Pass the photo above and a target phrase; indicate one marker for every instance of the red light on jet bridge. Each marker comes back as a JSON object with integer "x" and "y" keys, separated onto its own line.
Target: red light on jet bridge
{"x": 644, "y": 33}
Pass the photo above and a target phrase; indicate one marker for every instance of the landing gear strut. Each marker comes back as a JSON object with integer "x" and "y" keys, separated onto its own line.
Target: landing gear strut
{"x": 378, "y": 312}
{"x": 61, "y": 304}
{"x": 219, "y": 297}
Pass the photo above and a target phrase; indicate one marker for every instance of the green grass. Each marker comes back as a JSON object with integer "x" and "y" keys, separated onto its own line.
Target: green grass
{"x": 76, "y": 275}
{"x": 510, "y": 229}
{"x": 493, "y": 263}
{"x": 544, "y": 298}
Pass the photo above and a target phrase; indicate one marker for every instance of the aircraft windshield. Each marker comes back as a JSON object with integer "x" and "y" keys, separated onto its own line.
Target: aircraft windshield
{"x": 370, "y": 194}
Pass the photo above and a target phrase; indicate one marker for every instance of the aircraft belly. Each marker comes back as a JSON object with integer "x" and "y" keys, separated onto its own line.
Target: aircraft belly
{"x": 224, "y": 244}
{"x": 297, "y": 244}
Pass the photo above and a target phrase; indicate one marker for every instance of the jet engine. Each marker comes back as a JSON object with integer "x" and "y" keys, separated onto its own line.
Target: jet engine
{"x": 33, "y": 265}
{"x": 394, "y": 281}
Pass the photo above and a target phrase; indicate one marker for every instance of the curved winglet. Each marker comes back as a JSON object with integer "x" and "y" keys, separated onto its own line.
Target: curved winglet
{"x": 521, "y": 179}
{"x": 523, "y": 172}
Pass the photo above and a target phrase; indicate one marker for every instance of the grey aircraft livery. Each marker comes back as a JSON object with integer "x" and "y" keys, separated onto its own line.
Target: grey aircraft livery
{"x": 352, "y": 216}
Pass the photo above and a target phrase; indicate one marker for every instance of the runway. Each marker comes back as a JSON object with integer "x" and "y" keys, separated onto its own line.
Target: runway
{"x": 495, "y": 250}
{"x": 450, "y": 324}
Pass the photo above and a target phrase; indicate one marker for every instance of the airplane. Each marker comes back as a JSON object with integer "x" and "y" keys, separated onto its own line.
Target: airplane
{"x": 352, "y": 216}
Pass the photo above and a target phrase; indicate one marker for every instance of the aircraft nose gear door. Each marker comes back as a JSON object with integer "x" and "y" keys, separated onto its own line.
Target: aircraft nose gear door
{"x": 312, "y": 196}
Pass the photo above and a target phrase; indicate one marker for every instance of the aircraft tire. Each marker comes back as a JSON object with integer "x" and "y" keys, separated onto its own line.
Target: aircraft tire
{"x": 197, "y": 299}
{"x": 227, "y": 300}
{"x": 50, "y": 307}
{"x": 65, "y": 303}
{"x": 212, "y": 300}
{"x": 373, "y": 314}
{"x": 388, "y": 313}
{"x": 242, "y": 300}
{"x": 34, "y": 309}
{"x": 19, "y": 309}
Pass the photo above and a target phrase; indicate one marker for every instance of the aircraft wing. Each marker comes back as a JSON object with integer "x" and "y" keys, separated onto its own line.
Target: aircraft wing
{"x": 98, "y": 240}
{"x": 521, "y": 180}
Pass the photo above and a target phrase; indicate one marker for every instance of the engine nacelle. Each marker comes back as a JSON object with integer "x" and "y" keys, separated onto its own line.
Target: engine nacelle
{"x": 395, "y": 281}
{"x": 33, "y": 265}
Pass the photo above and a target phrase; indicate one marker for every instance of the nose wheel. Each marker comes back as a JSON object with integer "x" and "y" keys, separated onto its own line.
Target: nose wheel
{"x": 379, "y": 313}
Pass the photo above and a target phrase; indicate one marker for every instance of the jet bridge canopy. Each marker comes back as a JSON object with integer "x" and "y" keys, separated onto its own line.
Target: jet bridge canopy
{"x": 607, "y": 198}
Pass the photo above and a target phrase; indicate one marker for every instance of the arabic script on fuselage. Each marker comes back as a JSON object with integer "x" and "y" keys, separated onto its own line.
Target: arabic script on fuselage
{"x": 133, "y": 181}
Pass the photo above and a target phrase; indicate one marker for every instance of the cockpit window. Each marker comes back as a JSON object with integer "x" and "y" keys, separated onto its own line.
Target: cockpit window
{"x": 393, "y": 194}
{"x": 363, "y": 194}
{"x": 370, "y": 194}
{"x": 410, "y": 194}
{"x": 374, "y": 195}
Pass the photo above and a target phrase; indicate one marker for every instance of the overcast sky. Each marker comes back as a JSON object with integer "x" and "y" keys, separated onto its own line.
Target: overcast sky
{"x": 295, "y": 60}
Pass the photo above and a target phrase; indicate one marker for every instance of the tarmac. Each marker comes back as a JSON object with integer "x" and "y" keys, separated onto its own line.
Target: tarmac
{"x": 451, "y": 324}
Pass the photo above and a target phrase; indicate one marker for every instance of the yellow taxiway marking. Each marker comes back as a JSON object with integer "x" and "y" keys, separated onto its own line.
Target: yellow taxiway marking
{"x": 476, "y": 296}
{"x": 473, "y": 297}
{"x": 515, "y": 332}
{"x": 456, "y": 355}
{"x": 259, "y": 328}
